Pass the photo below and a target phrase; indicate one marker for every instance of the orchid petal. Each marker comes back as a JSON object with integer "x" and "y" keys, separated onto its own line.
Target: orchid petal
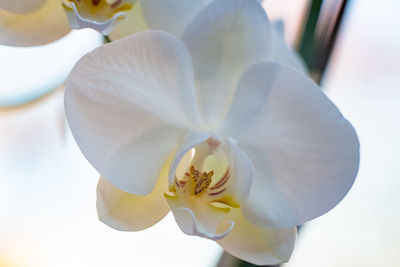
{"x": 46, "y": 24}
{"x": 21, "y": 6}
{"x": 127, "y": 212}
{"x": 127, "y": 124}
{"x": 301, "y": 147}
{"x": 256, "y": 245}
{"x": 224, "y": 39}
{"x": 168, "y": 15}
{"x": 171, "y": 15}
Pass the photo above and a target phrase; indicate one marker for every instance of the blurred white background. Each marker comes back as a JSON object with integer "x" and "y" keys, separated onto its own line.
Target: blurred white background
{"x": 47, "y": 188}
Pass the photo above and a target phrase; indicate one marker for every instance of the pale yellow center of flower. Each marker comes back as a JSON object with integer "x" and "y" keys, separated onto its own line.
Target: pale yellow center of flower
{"x": 194, "y": 183}
{"x": 204, "y": 191}
{"x": 203, "y": 175}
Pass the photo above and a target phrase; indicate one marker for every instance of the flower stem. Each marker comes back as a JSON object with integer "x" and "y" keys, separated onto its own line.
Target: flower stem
{"x": 106, "y": 39}
{"x": 306, "y": 44}
{"x": 320, "y": 33}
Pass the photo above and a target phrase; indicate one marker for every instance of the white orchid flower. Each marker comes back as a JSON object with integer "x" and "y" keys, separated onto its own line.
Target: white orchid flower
{"x": 241, "y": 149}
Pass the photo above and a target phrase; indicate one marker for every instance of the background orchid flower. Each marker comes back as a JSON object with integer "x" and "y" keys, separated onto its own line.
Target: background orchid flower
{"x": 22, "y": 6}
{"x": 101, "y": 15}
{"x": 36, "y": 22}
{"x": 33, "y": 22}
{"x": 240, "y": 148}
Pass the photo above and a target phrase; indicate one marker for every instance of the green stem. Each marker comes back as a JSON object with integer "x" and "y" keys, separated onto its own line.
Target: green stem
{"x": 307, "y": 42}
{"x": 327, "y": 40}
{"x": 318, "y": 40}
{"x": 106, "y": 39}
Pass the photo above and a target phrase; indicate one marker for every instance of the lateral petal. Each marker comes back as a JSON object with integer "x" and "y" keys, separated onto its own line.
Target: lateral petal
{"x": 305, "y": 154}
{"x": 129, "y": 105}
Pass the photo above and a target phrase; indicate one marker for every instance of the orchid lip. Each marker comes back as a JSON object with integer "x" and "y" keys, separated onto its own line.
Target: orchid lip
{"x": 101, "y": 16}
{"x": 198, "y": 232}
{"x": 204, "y": 188}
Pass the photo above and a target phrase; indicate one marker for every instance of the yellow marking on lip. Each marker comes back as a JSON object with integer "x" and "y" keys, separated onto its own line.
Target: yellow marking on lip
{"x": 124, "y": 7}
{"x": 220, "y": 207}
{"x": 228, "y": 200}
{"x": 170, "y": 196}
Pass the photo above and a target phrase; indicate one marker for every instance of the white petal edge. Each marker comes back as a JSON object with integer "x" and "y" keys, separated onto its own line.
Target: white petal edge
{"x": 78, "y": 22}
{"x": 224, "y": 39}
{"x": 257, "y": 245}
{"x": 305, "y": 154}
{"x": 126, "y": 212}
{"x": 129, "y": 105}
